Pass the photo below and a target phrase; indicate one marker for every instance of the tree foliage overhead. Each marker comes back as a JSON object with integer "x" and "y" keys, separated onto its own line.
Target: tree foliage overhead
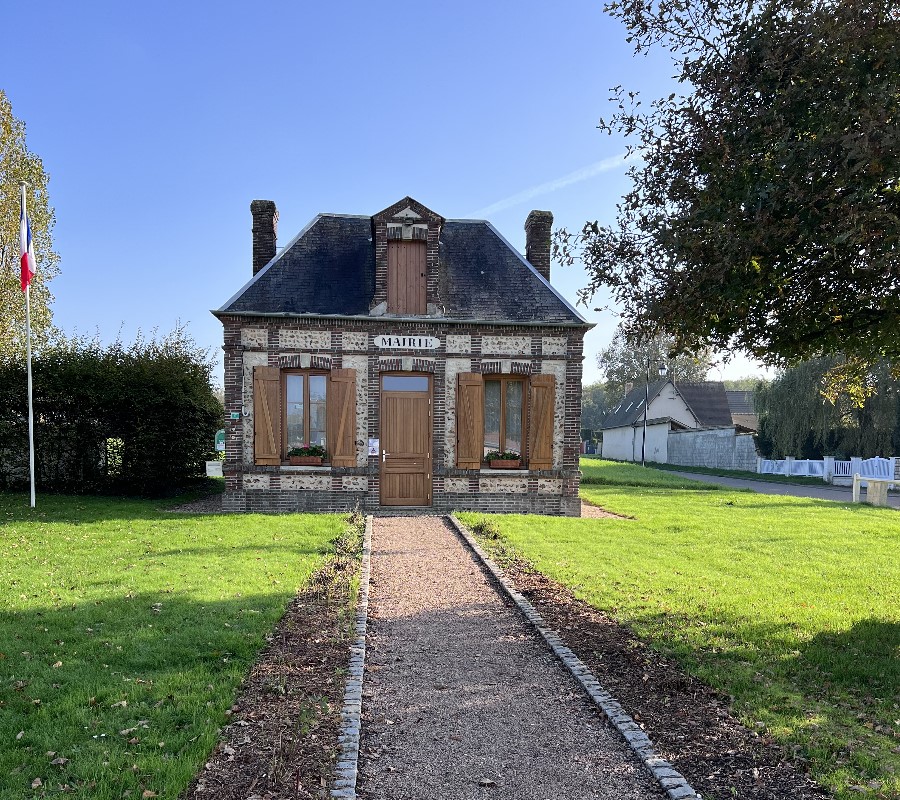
{"x": 764, "y": 212}
{"x": 138, "y": 418}
{"x": 796, "y": 419}
{"x": 626, "y": 360}
{"x": 17, "y": 164}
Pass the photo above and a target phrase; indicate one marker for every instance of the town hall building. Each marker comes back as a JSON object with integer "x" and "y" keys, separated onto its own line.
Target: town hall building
{"x": 409, "y": 347}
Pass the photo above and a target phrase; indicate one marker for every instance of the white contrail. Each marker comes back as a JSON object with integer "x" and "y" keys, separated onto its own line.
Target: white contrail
{"x": 579, "y": 175}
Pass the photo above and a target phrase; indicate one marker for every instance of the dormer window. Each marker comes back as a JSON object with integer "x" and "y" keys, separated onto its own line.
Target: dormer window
{"x": 406, "y": 276}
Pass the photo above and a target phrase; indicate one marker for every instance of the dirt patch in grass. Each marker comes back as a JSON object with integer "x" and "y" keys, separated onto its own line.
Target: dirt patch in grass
{"x": 595, "y": 512}
{"x": 688, "y": 722}
{"x": 282, "y": 741}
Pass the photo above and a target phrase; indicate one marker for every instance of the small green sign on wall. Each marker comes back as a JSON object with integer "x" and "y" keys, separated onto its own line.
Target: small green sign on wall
{"x": 220, "y": 441}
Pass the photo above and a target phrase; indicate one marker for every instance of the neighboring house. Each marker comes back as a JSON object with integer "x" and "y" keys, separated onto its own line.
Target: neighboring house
{"x": 743, "y": 409}
{"x": 409, "y": 346}
{"x": 623, "y": 427}
{"x": 671, "y": 407}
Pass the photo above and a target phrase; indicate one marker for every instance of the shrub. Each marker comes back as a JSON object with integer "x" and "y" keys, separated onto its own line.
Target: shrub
{"x": 135, "y": 419}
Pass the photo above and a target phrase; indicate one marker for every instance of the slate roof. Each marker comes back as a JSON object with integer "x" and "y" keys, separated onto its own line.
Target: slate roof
{"x": 708, "y": 402}
{"x": 329, "y": 269}
{"x": 740, "y": 401}
{"x": 632, "y": 407}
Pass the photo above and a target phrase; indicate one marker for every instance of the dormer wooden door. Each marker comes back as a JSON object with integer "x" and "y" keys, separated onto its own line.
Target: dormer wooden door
{"x": 406, "y": 277}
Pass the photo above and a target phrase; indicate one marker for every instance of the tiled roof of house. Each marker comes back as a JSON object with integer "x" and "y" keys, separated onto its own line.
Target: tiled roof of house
{"x": 632, "y": 407}
{"x": 708, "y": 402}
{"x": 740, "y": 401}
{"x": 706, "y": 399}
{"x": 329, "y": 269}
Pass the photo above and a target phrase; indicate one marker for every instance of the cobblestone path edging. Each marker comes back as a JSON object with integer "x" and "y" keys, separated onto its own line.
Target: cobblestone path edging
{"x": 344, "y": 785}
{"x": 672, "y": 781}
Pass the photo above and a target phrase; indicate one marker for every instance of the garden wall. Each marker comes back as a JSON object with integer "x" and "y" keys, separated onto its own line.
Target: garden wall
{"x": 719, "y": 448}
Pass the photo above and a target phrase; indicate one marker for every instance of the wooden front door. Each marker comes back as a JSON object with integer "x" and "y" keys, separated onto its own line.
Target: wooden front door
{"x": 406, "y": 440}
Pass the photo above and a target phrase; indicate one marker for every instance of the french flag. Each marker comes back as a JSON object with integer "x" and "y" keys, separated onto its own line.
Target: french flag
{"x": 26, "y": 245}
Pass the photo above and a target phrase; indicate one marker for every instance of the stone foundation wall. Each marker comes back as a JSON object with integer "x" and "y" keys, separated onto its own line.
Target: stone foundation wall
{"x": 344, "y": 502}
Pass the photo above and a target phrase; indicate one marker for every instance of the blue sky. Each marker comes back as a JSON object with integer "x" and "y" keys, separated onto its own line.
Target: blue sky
{"x": 158, "y": 123}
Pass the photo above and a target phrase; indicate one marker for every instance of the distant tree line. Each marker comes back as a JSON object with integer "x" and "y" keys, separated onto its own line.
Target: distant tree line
{"x": 135, "y": 419}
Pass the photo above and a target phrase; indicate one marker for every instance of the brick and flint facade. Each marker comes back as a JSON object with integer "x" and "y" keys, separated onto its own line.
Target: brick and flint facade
{"x": 330, "y": 305}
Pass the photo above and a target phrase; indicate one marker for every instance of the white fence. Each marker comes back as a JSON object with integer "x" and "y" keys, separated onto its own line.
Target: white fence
{"x": 830, "y": 468}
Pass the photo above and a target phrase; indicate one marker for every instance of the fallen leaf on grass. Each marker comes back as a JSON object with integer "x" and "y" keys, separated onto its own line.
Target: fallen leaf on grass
{"x": 120, "y": 704}
{"x": 19, "y": 735}
{"x": 37, "y": 783}
{"x": 57, "y": 665}
{"x": 59, "y": 762}
{"x": 148, "y": 793}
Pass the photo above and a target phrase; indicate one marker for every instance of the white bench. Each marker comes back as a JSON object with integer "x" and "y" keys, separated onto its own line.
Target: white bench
{"x": 876, "y": 489}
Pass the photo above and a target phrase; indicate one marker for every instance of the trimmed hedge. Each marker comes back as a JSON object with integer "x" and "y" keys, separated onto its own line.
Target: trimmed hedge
{"x": 124, "y": 419}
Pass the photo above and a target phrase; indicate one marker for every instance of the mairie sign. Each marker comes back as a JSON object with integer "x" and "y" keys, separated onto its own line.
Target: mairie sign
{"x": 408, "y": 342}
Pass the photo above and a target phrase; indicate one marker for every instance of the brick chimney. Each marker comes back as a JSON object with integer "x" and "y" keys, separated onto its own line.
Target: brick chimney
{"x": 537, "y": 241}
{"x": 265, "y": 231}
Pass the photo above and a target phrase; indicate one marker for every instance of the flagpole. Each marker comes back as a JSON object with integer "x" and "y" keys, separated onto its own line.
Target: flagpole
{"x": 28, "y": 361}
{"x": 30, "y": 403}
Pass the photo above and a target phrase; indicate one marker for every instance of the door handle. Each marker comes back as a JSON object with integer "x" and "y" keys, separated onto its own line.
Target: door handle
{"x": 384, "y": 455}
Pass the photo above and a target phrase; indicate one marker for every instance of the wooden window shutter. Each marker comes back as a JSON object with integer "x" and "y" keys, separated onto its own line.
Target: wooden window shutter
{"x": 469, "y": 420}
{"x": 540, "y": 425}
{"x": 267, "y": 415}
{"x": 342, "y": 417}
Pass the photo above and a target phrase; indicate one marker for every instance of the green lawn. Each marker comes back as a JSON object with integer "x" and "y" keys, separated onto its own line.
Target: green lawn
{"x": 791, "y": 606}
{"x": 125, "y": 631}
{"x": 596, "y": 471}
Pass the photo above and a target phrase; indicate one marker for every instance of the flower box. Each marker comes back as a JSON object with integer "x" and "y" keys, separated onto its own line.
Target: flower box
{"x": 305, "y": 461}
{"x": 505, "y": 463}
{"x": 503, "y": 459}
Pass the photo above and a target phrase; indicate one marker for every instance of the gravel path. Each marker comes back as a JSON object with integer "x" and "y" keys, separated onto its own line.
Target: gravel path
{"x": 461, "y": 699}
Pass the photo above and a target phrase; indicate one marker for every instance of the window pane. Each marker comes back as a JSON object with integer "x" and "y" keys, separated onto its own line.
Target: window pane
{"x": 491, "y": 415}
{"x": 405, "y": 383}
{"x": 513, "y": 416}
{"x": 294, "y": 411}
{"x": 317, "y": 384}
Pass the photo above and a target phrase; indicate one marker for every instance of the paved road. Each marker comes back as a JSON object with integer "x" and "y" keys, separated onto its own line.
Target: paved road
{"x": 839, "y": 494}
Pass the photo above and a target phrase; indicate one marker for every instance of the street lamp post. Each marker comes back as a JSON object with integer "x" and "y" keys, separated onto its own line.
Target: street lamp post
{"x": 663, "y": 371}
